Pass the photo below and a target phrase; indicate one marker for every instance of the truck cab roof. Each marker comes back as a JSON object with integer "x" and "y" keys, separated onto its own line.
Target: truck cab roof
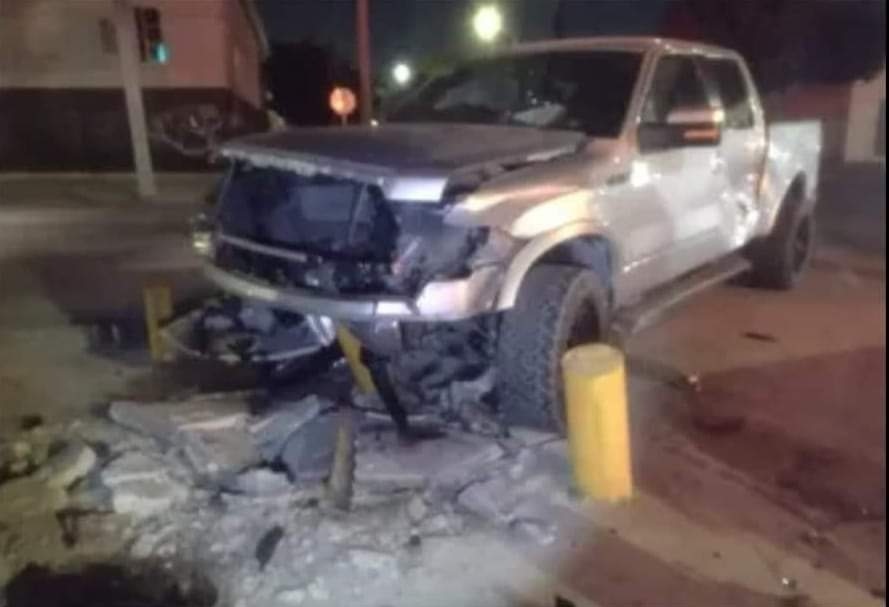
{"x": 639, "y": 44}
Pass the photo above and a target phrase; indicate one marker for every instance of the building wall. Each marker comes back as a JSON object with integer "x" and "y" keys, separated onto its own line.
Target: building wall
{"x": 61, "y": 102}
{"x": 59, "y": 44}
{"x": 866, "y": 135}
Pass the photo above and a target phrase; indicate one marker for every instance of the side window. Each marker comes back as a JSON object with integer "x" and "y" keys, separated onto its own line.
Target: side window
{"x": 676, "y": 83}
{"x": 726, "y": 76}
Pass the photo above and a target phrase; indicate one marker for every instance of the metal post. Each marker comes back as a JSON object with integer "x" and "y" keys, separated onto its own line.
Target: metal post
{"x": 362, "y": 29}
{"x": 124, "y": 21}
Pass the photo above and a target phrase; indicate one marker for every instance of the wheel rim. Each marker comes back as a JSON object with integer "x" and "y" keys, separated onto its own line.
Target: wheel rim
{"x": 801, "y": 246}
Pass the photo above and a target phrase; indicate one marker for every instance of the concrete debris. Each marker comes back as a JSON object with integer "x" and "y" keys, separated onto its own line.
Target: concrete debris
{"x": 318, "y": 590}
{"x": 538, "y": 531}
{"x": 29, "y": 497}
{"x": 143, "y": 419}
{"x": 523, "y": 463}
{"x": 372, "y": 561}
{"x": 448, "y": 462}
{"x": 308, "y": 453}
{"x": 273, "y": 429}
{"x": 489, "y": 499}
{"x": 417, "y": 509}
{"x": 527, "y": 437}
{"x": 212, "y": 433}
{"x": 69, "y": 464}
{"x": 442, "y": 524}
{"x": 217, "y": 457}
{"x": 260, "y": 482}
{"x": 141, "y": 486}
{"x": 291, "y": 596}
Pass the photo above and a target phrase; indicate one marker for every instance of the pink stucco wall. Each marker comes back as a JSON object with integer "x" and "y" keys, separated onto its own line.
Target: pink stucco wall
{"x": 57, "y": 44}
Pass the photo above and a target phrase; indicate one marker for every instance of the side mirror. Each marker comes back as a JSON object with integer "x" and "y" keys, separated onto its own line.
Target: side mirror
{"x": 692, "y": 126}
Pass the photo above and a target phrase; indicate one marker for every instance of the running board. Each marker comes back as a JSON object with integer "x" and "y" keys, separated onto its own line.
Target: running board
{"x": 651, "y": 308}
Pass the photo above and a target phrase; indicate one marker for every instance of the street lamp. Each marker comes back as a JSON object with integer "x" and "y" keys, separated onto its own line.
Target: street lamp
{"x": 402, "y": 73}
{"x": 487, "y": 23}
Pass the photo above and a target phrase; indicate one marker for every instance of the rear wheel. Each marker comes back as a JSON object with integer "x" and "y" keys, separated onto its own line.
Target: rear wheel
{"x": 780, "y": 260}
{"x": 558, "y": 308}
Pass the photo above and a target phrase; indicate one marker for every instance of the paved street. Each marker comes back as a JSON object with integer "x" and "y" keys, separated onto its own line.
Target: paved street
{"x": 759, "y": 418}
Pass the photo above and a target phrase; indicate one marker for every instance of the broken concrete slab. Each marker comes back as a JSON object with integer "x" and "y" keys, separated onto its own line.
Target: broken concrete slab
{"x": 201, "y": 413}
{"x": 211, "y": 432}
{"x": 66, "y": 466}
{"x": 308, "y": 453}
{"x": 28, "y": 497}
{"x": 537, "y": 531}
{"x": 492, "y": 500}
{"x": 416, "y": 509}
{"x": 141, "y": 486}
{"x": 146, "y": 498}
{"x": 273, "y": 428}
{"x": 146, "y": 420}
{"x": 446, "y": 463}
{"x": 374, "y": 561}
{"x": 218, "y": 456}
{"x": 260, "y": 482}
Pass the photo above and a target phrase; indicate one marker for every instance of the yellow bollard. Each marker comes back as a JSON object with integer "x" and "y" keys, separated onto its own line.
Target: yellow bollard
{"x": 158, "y": 309}
{"x": 352, "y": 349}
{"x": 598, "y": 426}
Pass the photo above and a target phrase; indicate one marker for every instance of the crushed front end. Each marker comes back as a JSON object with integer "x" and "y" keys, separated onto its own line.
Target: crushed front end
{"x": 337, "y": 247}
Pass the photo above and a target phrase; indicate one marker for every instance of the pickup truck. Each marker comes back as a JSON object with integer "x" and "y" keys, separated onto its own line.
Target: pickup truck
{"x": 526, "y": 202}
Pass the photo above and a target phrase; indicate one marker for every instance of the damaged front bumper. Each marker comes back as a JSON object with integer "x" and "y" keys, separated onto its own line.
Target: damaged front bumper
{"x": 445, "y": 300}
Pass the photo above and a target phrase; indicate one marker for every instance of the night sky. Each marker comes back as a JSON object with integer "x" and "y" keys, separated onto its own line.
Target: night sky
{"x": 418, "y": 29}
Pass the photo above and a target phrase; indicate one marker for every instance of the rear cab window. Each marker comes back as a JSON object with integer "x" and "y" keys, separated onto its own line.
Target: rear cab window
{"x": 729, "y": 83}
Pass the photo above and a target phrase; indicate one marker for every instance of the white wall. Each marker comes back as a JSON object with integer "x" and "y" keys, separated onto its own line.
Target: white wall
{"x": 864, "y": 120}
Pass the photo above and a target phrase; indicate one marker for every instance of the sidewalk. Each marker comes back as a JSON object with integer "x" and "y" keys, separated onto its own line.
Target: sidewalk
{"x": 65, "y": 199}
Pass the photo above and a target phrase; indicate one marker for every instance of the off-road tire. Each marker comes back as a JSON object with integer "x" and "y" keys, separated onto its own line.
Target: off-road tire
{"x": 781, "y": 259}
{"x": 558, "y": 307}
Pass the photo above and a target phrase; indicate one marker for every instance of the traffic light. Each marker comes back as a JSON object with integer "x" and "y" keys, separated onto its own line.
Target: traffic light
{"x": 152, "y": 47}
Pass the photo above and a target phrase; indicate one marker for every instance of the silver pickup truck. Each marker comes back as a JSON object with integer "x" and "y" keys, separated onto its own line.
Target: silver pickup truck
{"x": 525, "y": 202}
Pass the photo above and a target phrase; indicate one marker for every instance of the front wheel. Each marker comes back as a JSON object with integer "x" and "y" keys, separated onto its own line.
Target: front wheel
{"x": 558, "y": 308}
{"x": 780, "y": 261}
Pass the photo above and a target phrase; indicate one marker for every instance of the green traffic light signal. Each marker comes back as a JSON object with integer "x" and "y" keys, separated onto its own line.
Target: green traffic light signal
{"x": 161, "y": 53}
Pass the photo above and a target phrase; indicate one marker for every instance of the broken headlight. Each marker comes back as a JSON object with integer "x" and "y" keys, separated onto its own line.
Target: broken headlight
{"x": 203, "y": 239}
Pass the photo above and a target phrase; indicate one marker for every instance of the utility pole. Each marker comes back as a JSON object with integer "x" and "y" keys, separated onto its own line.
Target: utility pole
{"x": 125, "y": 26}
{"x": 362, "y": 29}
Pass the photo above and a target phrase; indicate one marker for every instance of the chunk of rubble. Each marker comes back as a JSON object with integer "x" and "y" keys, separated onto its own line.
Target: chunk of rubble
{"x": 536, "y": 530}
{"x": 492, "y": 500}
{"x": 308, "y": 453}
{"x": 69, "y": 464}
{"x": 141, "y": 486}
{"x": 448, "y": 462}
{"x": 211, "y": 432}
{"x": 29, "y": 497}
{"x": 417, "y": 509}
{"x": 373, "y": 561}
{"x": 260, "y": 482}
{"x": 273, "y": 429}
{"x": 291, "y": 596}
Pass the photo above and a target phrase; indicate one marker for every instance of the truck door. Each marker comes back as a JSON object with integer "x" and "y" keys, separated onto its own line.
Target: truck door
{"x": 682, "y": 177}
{"x": 741, "y": 149}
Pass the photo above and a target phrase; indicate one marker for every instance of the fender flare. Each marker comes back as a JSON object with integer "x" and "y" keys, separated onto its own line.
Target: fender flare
{"x": 537, "y": 248}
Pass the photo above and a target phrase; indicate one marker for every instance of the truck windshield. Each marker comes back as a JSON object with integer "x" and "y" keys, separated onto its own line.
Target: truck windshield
{"x": 587, "y": 91}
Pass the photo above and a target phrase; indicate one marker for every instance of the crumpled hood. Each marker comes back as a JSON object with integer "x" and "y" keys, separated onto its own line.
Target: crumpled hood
{"x": 410, "y": 162}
